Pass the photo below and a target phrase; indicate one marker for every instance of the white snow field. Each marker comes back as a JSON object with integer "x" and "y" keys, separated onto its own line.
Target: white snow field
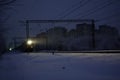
{"x": 61, "y": 66}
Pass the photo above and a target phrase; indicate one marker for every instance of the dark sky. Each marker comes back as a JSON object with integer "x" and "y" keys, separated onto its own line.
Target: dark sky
{"x": 107, "y": 11}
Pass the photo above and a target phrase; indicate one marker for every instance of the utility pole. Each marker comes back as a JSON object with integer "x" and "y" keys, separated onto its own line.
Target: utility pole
{"x": 93, "y": 34}
{"x": 27, "y": 29}
{"x": 27, "y": 33}
{"x": 15, "y": 42}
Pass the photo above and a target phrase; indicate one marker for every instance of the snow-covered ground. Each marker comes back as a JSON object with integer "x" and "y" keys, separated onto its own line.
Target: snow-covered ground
{"x": 61, "y": 66}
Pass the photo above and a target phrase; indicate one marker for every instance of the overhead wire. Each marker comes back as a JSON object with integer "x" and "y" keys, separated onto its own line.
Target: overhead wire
{"x": 91, "y": 12}
{"x": 73, "y": 6}
{"x": 96, "y": 6}
{"x": 83, "y": 2}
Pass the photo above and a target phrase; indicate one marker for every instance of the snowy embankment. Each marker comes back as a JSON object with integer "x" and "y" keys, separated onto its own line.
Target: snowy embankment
{"x": 61, "y": 66}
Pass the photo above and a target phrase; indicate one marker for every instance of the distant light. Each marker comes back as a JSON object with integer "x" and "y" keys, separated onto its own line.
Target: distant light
{"x": 10, "y": 49}
{"x": 29, "y": 42}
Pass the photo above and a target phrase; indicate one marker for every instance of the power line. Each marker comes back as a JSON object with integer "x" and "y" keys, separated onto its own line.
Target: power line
{"x": 92, "y": 8}
{"x": 73, "y": 10}
{"x": 74, "y": 5}
{"x": 98, "y": 9}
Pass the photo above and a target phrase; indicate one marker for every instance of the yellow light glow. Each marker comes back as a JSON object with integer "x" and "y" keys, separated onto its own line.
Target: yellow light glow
{"x": 29, "y": 42}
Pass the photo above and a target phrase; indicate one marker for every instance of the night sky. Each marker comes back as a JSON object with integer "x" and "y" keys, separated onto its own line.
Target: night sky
{"x": 107, "y": 11}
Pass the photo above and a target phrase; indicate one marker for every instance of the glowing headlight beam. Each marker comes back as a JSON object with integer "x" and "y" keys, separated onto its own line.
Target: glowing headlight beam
{"x": 29, "y": 42}
{"x": 10, "y": 49}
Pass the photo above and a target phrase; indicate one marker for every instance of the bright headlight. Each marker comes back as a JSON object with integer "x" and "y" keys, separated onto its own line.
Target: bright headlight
{"x": 29, "y": 42}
